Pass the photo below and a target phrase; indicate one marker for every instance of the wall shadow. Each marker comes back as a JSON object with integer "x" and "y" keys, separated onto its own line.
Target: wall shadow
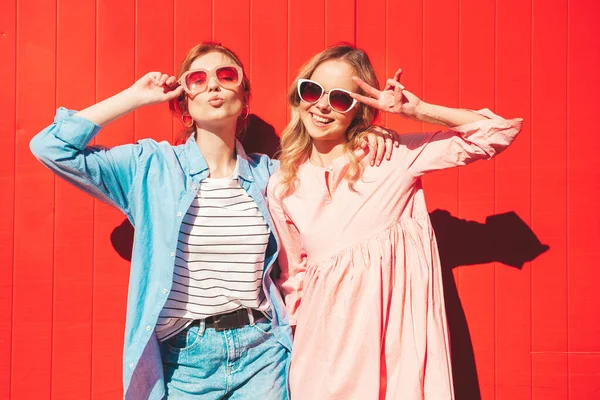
{"x": 260, "y": 137}
{"x": 503, "y": 238}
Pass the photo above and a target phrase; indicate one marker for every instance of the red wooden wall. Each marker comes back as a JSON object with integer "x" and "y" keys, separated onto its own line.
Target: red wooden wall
{"x": 530, "y": 332}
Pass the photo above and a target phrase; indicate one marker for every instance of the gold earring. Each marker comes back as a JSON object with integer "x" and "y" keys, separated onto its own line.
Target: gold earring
{"x": 183, "y": 120}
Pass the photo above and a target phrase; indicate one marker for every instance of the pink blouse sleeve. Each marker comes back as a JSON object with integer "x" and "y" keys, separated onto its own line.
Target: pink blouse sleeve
{"x": 461, "y": 145}
{"x": 292, "y": 257}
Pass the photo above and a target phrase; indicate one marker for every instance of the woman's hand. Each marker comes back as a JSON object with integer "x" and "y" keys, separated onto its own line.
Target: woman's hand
{"x": 393, "y": 98}
{"x": 154, "y": 88}
{"x": 380, "y": 142}
{"x": 151, "y": 88}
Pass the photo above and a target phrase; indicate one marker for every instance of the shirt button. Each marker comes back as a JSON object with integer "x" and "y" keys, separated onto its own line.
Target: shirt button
{"x": 131, "y": 365}
{"x": 148, "y": 327}
{"x": 179, "y": 214}
{"x": 172, "y": 254}
{"x": 165, "y": 291}
{"x": 192, "y": 171}
{"x": 331, "y": 169}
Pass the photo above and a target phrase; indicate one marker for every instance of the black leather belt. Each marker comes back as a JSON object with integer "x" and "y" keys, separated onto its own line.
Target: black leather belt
{"x": 232, "y": 320}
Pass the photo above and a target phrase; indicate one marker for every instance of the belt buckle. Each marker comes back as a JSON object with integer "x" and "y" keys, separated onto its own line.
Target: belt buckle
{"x": 226, "y": 321}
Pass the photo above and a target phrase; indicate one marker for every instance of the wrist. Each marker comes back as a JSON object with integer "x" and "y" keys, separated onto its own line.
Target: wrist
{"x": 423, "y": 112}
{"x": 132, "y": 98}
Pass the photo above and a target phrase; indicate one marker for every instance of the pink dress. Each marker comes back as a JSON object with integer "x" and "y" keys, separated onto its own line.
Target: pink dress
{"x": 361, "y": 272}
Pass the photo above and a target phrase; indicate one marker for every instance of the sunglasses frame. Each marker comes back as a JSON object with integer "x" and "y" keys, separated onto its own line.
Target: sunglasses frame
{"x": 323, "y": 92}
{"x": 209, "y": 73}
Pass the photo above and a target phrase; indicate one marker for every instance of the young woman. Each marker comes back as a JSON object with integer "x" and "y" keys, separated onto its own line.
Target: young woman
{"x": 360, "y": 268}
{"x": 204, "y": 318}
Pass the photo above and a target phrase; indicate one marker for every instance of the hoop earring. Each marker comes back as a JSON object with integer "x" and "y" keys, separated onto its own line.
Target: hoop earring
{"x": 183, "y": 120}
{"x": 247, "y": 108}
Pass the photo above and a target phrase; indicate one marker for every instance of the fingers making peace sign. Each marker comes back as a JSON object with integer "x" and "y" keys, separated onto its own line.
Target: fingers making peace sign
{"x": 393, "y": 98}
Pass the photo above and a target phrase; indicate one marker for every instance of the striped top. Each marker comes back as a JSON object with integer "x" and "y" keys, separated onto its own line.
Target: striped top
{"x": 220, "y": 257}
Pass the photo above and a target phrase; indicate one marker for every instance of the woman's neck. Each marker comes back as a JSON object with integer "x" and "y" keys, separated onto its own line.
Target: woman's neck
{"x": 218, "y": 149}
{"x": 324, "y": 152}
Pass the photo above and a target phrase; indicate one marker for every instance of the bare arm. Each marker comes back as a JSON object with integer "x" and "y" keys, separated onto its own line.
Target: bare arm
{"x": 394, "y": 98}
{"x": 445, "y": 116}
{"x": 472, "y": 135}
{"x": 152, "y": 88}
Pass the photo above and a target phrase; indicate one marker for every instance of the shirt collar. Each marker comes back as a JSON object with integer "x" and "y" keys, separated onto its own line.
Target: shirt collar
{"x": 197, "y": 163}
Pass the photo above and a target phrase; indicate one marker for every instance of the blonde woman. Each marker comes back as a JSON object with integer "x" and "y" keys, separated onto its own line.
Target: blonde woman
{"x": 360, "y": 268}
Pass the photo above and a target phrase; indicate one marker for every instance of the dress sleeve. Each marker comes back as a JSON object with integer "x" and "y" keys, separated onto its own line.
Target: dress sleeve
{"x": 460, "y": 145}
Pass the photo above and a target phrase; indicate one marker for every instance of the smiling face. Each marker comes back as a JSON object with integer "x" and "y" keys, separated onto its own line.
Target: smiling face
{"x": 321, "y": 122}
{"x": 217, "y": 105}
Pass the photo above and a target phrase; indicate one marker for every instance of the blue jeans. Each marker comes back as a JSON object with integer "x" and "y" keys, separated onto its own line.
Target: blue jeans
{"x": 243, "y": 363}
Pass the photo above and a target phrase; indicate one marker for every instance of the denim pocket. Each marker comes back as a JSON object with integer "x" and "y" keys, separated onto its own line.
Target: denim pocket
{"x": 186, "y": 339}
{"x": 263, "y": 326}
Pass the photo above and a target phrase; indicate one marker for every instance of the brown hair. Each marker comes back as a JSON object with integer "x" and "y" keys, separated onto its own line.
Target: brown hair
{"x": 178, "y": 106}
{"x": 296, "y": 143}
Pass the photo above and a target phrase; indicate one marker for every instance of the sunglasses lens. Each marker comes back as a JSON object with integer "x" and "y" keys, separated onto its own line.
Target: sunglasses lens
{"x": 196, "y": 81}
{"x": 340, "y": 101}
{"x": 228, "y": 76}
{"x": 310, "y": 92}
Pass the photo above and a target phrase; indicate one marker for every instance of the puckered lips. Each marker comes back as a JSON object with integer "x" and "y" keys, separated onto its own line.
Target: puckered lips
{"x": 216, "y": 101}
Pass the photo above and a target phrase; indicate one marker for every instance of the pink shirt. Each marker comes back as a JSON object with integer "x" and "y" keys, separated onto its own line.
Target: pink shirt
{"x": 316, "y": 222}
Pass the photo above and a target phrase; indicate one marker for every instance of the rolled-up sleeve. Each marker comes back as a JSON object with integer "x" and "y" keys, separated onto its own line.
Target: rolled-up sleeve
{"x": 460, "y": 145}
{"x": 107, "y": 174}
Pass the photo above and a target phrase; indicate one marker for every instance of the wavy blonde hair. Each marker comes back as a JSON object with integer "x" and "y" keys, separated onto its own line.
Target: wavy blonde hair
{"x": 296, "y": 143}
{"x": 179, "y": 106}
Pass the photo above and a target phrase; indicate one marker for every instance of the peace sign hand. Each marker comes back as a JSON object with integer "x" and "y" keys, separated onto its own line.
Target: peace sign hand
{"x": 393, "y": 98}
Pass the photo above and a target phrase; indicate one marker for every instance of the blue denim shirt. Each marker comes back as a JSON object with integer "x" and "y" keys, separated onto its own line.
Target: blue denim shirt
{"x": 153, "y": 184}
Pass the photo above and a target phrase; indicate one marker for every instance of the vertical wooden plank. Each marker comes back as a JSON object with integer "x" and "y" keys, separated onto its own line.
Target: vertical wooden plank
{"x": 405, "y": 19}
{"x": 231, "y": 27}
{"x": 340, "y": 22}
{"x": 583, "y": 198}
{"x": 584, "y": 371}
{"x": 306, "y": 33}
{"x": 34, "y": 197}
{"x": 115, "y": 35}
{"x": 154, "y": 52}
{"x": 548, "y": 198}
{"x": 237, "y": 39}
{"x": 513, "y": 193}
{"x": 440, "y": 86}
{"x": 550, "y": 376}
{"x": 73, "y": 243}
{"x": 8, "y": 49}
{"x": 583, "y": 183}
{"x": 268, "y": 63}
{"x": 371, "y": 37}
{"x": 188, "y": 33}
{"x": 476, "y": 203}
